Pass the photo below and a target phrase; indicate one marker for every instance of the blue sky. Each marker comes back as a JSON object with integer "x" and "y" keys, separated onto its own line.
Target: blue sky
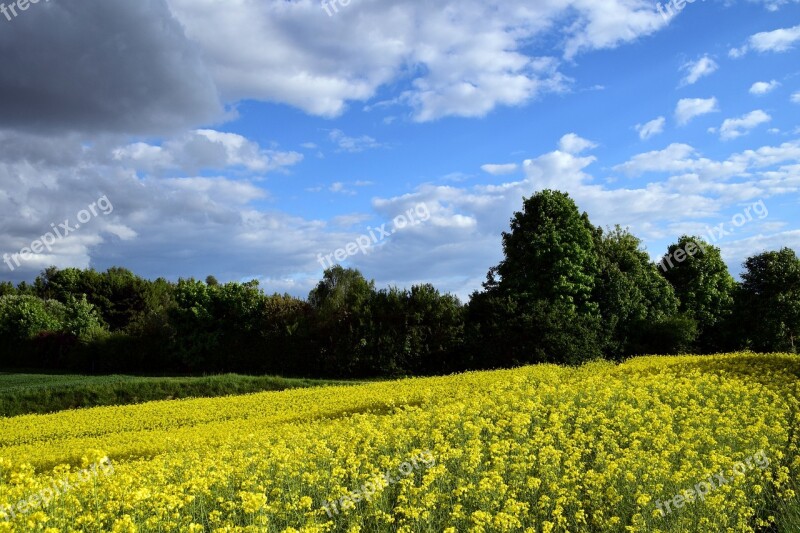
{"x": 244, "y": 139}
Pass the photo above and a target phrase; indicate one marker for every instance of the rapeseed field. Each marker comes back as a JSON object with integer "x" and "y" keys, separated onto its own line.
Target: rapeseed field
{"x": 661, "y": 444}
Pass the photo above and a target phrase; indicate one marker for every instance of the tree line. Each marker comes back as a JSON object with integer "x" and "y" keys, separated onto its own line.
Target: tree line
{"x": 565, "y": 292}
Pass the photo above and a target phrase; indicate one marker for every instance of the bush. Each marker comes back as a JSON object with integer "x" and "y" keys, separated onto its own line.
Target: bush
{"x": 23, "y": 317}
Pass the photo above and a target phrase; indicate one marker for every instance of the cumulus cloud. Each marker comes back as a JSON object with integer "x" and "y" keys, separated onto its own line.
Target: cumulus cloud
{"x": 346, "y": 143}
{"x": 700, "y": 190}
{"x": 499, "y": 170}
{"x": 733, "y": 128}
{"x": 573, "y": 144}
{"x": 796, "y": 97}
{"x": 172, "y": 226}
{"x": 103, "y": 66}
{"x": 651, "y": 129}
{"x": 780, "y": 40}
{"x": 190, "y": 225}
{"x": 205, "y": 150}
{"x": 705, "y": 66}
{"x": 689, "y": 108}
{"x": 764, "y": 87}
{"x": 294, "y": 53}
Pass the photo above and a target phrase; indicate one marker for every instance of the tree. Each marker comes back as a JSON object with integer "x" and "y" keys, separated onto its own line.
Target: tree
{"x": 119, "y": 295}
{"x": 549, "y": 253}
{"x": 7, "y": 288}
{"x": 704, "y": 287}
{"x": 768, "y": 304}
{"x": 414, "y": 332}
{"x": 541, "y": 308}
{"x": 81, "y": 319}
{"x": 341, "y": 307}
{"x": 634, "y": 300}
{"x": 23, "y": 317}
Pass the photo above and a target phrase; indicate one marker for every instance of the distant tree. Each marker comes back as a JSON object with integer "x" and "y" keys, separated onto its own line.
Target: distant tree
{"x": 341, "y": 310}
{"x": 414, "y": 332}
{"x": 704, "y": 287}
{"x": 540, "y": 309}
{"x": 81, "y": 319}
{"x": 196, "y": 334}
{"x": 211, "y": 281}
{"x": 436, "y": 329}
{"x": 549, "y": 253}
{"x": 768, "y": 304}
{"x": 24, "y": 319}
{"x": 118, "y": 294}
{"x": 6, "y": 289}
{"x": 635, "y": 301}
{"x": 287, "y": 347}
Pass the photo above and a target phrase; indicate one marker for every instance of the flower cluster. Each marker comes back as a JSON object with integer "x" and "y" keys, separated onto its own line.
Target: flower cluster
{"x": 535, "y": 449}
{"x": 378, "y": 483}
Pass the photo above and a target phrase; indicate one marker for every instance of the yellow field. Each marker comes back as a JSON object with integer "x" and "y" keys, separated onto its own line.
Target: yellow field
{"x": 534, "y": 449}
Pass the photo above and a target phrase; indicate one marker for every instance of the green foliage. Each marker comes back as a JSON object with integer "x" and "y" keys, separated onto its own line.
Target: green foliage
{"x": 564, "y": 292}
{"x": 768, "y": 305}
{"x": 667, "y": 336}
{"x": 705, "y": 288}
{"x": 34, "y": 393}
{"x": 24, "y": 317}
{"x": 629, "y": 291}
{"x": 6, "y": 288}
{"x": 118, "y": 295}
{"x": 413, "y": 332}
{"x": 341, "y": 306}
{"x": 549, "y": 253}
{"x": 81, "y": 319}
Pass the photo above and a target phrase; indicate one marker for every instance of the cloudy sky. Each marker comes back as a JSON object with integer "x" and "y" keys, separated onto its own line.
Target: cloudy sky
{"x": 250, "y": 138}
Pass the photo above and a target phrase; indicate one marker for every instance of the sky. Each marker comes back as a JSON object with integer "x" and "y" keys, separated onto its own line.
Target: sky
{"x": 269, "y": 139}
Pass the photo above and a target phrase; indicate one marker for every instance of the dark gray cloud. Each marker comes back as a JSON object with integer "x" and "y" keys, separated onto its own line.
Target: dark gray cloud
{"x": 102, "y": 66}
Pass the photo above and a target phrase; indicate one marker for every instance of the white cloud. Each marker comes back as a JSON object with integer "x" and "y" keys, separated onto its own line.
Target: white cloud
{"x": 499, "y": 170}
{"x": 796, "y": 97}
{"x": 675, "y": 158}
{"x": 780, "y": 40}
{"x": 205, "y": 149}
{"x": 201, "y": 225}
{"x": 705, "y": 66}
{"x": 764, "y": 87}
{"x": 651, "y": 129}
{"x": 458, "y": 58}
{"x": 353, "y": 144}
{"x": 340, "y": 188}
{"x": 574, "y": 144}
{"x": 689, "y": 108}
{"x": 736, "y": 127}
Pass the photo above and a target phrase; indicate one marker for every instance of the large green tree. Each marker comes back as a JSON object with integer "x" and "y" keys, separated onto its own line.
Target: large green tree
{"x": 538, "y": 303}
{"x": 549, "y": 253}
{"x": 635, "y": 301}
{"x": 768, "y": 303}
{"x": 705, "y": 288}
{"x": 341, "y": 309}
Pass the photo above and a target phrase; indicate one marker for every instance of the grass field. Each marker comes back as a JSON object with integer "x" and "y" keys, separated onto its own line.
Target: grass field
{"x": 48, "y": 393}
{"x": 539, "y": 449}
